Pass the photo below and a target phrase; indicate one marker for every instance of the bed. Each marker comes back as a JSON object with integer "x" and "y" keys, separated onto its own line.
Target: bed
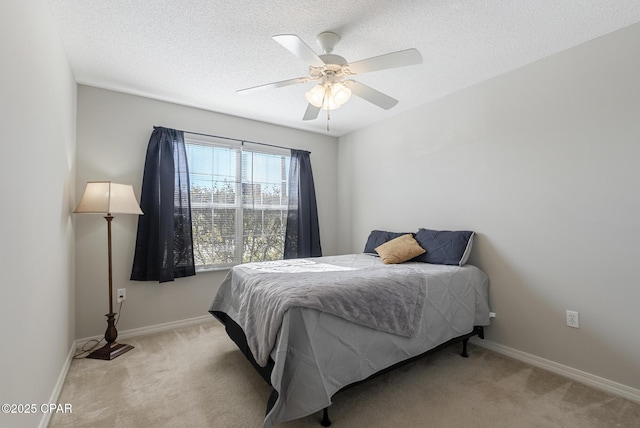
{"x": 312, "y": 343}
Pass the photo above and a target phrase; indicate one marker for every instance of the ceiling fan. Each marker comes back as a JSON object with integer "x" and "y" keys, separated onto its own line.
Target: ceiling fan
{"x": 333, "y": 72}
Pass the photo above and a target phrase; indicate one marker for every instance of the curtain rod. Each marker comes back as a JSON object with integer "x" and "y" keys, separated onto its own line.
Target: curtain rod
{"x": 232, "y": 139}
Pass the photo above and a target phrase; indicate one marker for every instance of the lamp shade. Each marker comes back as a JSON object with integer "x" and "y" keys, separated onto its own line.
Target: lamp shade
{"x": 329, "y": 102}
{"x": 341, "y": 93}
{"x": 316, "y": 96}
{"x": 105, "y": 197}
{"x": 328, "y": 96}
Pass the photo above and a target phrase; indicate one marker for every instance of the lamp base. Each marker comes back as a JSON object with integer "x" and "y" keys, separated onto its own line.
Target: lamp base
{"x": 110, "y": 351}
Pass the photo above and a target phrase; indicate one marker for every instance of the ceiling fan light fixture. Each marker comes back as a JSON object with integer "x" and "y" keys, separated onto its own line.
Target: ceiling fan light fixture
{"x": 316, "y": 96}
{"x": 340, "y": 93}
{"x": 328, "y": 96}
{"x": 329, "y": 102}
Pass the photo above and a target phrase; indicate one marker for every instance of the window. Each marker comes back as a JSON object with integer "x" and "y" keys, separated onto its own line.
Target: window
{"x": 238, "y": 203}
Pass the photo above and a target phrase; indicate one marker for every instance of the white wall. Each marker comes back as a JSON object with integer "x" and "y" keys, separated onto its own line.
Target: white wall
{"x": 542, "y": 163}
{"x": 37, "y": 114}
{"x": 113, "y": 133}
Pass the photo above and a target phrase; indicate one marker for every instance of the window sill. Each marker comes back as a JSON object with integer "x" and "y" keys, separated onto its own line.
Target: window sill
{"x": 211, "y": 269}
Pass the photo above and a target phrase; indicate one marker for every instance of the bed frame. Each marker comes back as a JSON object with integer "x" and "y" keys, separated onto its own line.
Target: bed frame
{"x": 236, "y": 334}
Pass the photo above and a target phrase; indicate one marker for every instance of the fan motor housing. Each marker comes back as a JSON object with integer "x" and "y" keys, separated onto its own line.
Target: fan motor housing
{"x": 331, "y": 59}
{"x": 334, "y": 67}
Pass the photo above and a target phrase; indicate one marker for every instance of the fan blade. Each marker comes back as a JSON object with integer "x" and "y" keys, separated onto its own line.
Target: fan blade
{"x": 375, "y": 97}
{"x": 390, "y": 60}
{"x": 296, "y": 46}
{"x": 274, "y": 85}
{"x": 311, "y": 113}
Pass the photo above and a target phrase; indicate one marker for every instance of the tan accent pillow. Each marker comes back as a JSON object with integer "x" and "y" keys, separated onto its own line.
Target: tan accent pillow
{"x": 400, "y": 249}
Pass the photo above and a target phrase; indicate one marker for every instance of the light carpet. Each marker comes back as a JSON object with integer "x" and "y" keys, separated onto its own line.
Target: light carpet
{"x": 195, "y": 377}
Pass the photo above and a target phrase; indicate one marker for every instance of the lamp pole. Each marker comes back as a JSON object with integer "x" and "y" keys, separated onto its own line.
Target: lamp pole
{"x": 112, "y": 349}
{"x": 112, "y": 333}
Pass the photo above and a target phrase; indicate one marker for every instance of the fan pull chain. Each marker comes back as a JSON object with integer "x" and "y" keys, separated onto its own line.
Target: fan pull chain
{"x": 326, "y": 95}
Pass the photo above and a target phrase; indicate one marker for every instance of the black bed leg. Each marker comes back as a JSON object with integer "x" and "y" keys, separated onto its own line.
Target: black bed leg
{"x": 325, "y": 422}
{"x": 464, "y": 348}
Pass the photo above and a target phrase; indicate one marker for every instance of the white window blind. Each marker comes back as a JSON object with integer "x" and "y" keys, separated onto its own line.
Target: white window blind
{"x": 238, "y": 203}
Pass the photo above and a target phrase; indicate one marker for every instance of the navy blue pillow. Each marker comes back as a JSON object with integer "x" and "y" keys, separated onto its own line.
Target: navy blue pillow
{"x": 379, "y": 237}
{"x": 444, "y": 247}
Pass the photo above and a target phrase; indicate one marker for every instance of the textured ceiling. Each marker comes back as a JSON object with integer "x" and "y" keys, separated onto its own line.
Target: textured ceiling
{"x": 199, "y": 52}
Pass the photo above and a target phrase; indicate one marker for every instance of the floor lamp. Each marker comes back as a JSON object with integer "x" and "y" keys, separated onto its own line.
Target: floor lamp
{"x": 105, "y": 197}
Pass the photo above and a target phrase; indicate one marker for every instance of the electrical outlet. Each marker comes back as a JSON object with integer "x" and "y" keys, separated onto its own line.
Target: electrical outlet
{"x": 573, "y": 319}
{"x": 122, "y": 294}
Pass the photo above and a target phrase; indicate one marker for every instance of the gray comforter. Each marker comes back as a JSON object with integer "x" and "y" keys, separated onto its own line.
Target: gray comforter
{"x": 317, "y": 353}
{"x": 385, "y": 299}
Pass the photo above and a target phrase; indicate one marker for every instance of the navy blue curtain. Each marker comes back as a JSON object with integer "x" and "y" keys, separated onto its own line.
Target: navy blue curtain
{"x": 164, "y": 245}
{"x": 302, "y": 238}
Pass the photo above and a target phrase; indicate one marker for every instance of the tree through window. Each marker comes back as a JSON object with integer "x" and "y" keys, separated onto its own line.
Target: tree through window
{"x": 238, "y": 203}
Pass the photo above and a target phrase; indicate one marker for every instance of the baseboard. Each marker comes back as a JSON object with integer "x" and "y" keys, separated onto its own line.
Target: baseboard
{"x": 46, "y": 416}
{"x": 566, "y": 371}
{"x": 142, "y": 331}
